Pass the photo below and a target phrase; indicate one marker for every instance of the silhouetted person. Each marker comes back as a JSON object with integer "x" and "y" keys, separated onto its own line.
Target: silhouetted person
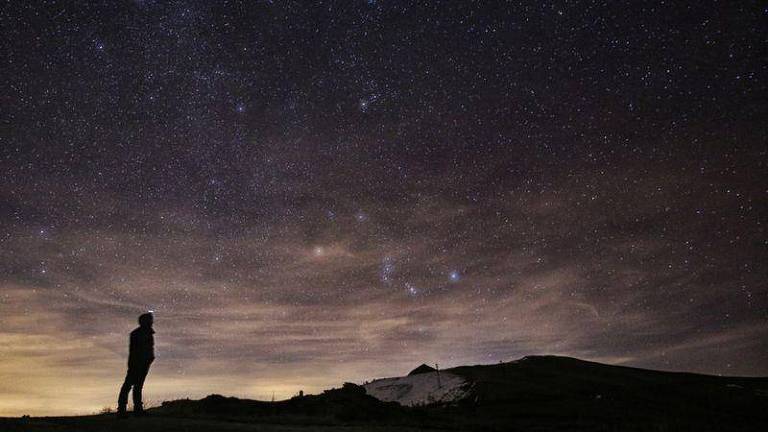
{"x": 141, "y": 353}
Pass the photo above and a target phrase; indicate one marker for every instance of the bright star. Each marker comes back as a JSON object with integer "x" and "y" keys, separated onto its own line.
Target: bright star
{"x": 411, "y": 290}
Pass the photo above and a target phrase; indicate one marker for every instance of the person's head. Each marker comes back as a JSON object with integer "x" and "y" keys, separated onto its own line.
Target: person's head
{"x": 145, "y": 320}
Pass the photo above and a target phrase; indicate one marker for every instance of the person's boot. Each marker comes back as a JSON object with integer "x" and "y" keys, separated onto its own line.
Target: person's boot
{"x": 121, "y": 412}
{"x": 138, "y": 410}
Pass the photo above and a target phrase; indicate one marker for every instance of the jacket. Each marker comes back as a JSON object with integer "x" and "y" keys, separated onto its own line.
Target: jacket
{"x": 141, "y": 349}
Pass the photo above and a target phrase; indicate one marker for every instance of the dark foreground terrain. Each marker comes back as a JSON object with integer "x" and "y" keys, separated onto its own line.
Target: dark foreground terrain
{"x": 169, "y": 424}
{"x": 532, "y": 394}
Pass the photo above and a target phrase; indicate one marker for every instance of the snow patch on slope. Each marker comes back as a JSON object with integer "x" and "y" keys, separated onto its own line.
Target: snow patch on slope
{"x": 419, "y": 389}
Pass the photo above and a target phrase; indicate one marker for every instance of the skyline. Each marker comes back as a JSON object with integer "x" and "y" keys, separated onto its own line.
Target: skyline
{"x": 311, "y": 194}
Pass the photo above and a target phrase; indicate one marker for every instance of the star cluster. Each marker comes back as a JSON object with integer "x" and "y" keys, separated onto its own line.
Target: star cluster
{"x": 308, "y": 193}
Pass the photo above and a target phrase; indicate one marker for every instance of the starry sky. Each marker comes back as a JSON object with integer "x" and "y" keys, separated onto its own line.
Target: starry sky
{"x": 308, "y": 193}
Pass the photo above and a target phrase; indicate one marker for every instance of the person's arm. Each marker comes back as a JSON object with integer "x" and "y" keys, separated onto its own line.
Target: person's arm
{"x": 132, "y": 349}
{"x": 151, "y": 353}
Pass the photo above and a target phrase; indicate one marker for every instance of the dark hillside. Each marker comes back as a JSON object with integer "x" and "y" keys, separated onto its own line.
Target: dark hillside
{"x": 347, "y": 405}
{"x": 543, "y": 389}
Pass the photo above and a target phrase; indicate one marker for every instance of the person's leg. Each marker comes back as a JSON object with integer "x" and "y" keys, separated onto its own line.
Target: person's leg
{"x": 122, "y": 400}
{"x": 138, "y": 387}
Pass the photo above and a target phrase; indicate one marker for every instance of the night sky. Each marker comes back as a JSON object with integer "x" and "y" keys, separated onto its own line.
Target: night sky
{"x": 308, "y": 193}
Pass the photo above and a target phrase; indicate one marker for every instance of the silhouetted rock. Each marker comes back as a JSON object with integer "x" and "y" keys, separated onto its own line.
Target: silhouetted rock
{"x": 422, "y": 369}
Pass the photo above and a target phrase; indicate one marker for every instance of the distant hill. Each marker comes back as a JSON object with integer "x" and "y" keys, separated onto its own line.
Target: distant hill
{"x": 538, "y": 393}
{"x": 347, "y": 404}
{"x": 552, "y": 390}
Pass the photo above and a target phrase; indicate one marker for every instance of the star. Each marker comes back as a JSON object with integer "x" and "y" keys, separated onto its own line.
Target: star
{"x": 454, "y": 276}
{"x": 411, "y": 289}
